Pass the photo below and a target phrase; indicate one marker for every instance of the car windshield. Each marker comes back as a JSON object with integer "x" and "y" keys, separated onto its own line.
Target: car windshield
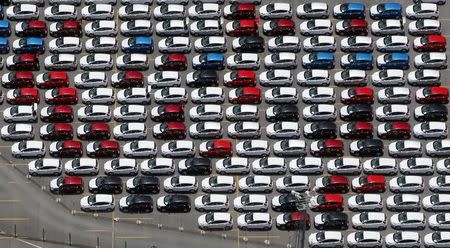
{"x": 401, "y": 181}
{"x": 417, "y": 7}
{"x": 311, "y": 24}
{"x": 97, "y": 145}
{"x": 175, "y": 180}
{"x": 380, "y": 7}
{"x": 307, "y": 7}
{"x": 206, "y": 199}
{"x": 287, "y": 180}
{"x": 50, "y": 127}
{"x": 434, "y": 199}
{"x": 436, "y": 236}
{"x": 284, "y": 144}
{"x": 205, "y": 41}
{"x": 440, "y": 218}
{"x": 287, "y": 217}
{"x": 249, "y": 218}
{"x": 250, "y": 180}
{"x": 247, "y": 144}
{"x": 172, "y": 145}
{"x": 134, "y": 145}
{"x": 313, "y": 91}
{"x": 425, "y": 126}
{"x": 400, "y": 145}
{"x": 359, "y": 236}
{"x": 115, "y": 163}
{"x": 39, "y": 163}
{"x": 441, "y": 180}
{"x": 426, "y": 57}
{"x": 437, "y": 145}
{"x": 91, "y": 199}
{"x": 213, "y": 181}
{"x": 168, "y": 199}
{"x": 245, "y": 199}
{"x": 320, "y": 236}
{"x": 382, "y": 24}
{"x": 131, "y": 25}
{"x": 363, "y": 180}
{"x": 236, "y": 24}
{"x": 363, "y": 217}
{"x": 424, "y": 40}
{"x": 420, "y": 24}
{"x": 270, "y": 7}
{"x": 209, "y": 217}
{"x": 359, "y": 199}
{"x": 12, "y": 128}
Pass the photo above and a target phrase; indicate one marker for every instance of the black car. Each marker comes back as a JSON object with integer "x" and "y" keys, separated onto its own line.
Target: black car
{"x": 284, "y": 113}
{"x": 332, "y": 221}
{"x": 358, "y": 112}
{"x": 143, "y": 185}
{"x": 285, "y": 203}
{"x": 204, "y": 78}
{"x": 321, "y": 130}
{"x": 175, "y": 203}
{"x": 249, "y": 44}
{"x": 137, "y": 204}
{"x": 195, "y": 166}
{"x": 106, "y": 185}
{"x": 368, "y": 148}
{"x": 431, "y": 112}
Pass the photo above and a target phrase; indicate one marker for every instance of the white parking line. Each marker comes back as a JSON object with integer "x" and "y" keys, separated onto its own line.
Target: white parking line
{"x": 29, "y": 243}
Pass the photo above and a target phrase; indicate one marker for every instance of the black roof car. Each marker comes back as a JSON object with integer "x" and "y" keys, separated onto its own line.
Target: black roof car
{"x": 287, "y": 203}
{"x": 333, "y": 221}
{"x": 138, "y": 203}
{"x": 250, "y": 44}
{"x": 358, "y": 112}
{"x": 433, "y": 112}
{"x": 369, "y": 147}
{"x": 176, "y": 203}
{"x": 196, "y": 166}
{"x": 322, "y": 130}
{"x": 107, "y": 185}
{"x": 204, "y": 78}
{"x": 144, "y": 185}
{"x": 284, "y": 113}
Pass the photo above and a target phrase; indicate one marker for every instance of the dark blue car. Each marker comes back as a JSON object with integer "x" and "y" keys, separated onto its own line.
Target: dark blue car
{"x": 29, "y": 45}
{"x": 5, "y": 29}
{"x": 4, "y": 45}
{"x": 349, "y": 11}
{"x": 393, "y": 61}
{"x": 363, "y": 61}
{"x": 386, "y": 11}
{"x": 213, "y": 61}
{"x": 319, "y": 60}
{"x": 139, "y": 44}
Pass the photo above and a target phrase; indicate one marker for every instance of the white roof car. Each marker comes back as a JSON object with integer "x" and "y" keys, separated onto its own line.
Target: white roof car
{"x": 424, "y": 26}
{"x": 393, "y": 43}
{"x": 100, "y": 61}
{"x": 370, "y": 202}
{"x": 97, "y": 202}
{"x": 132, "y": 61}
{"x": 250, "y": 202}
{"x": 98, "y": 12}
{"x": 102, "y": 44}
{"x": 180, "y": 184}
{"x": 436, "y": 202}
{"x": 169, "y": 11}
{"x": 290, "y": 147}
{"x": 60, "y": 12}
{"x": 174, "y": 44}
{"x": 406, "y": 220}
{"x": 276, "y": 77}
{"x": 253, "y": 148}
{"x": 64, "y": 44}
{"x": 313, "y": 77}
{"x": 319, "y": 112}
{"x": 218, "y": 184}
{"x": 171, "y": 27}
{"x": 162, "y": 79}
{"x": 316, "y": 27}
{"x": 369, "y": 220}
{"x": 134, "y": 11}
{"x": 319, "y": 95}
{"x": 297, "y": 183}
{"x": 206, "y": 112}
{"x": 439, "y": 184}
{"x": 406, "y": 184}
{"x": 157, "y": 166}
{"x": 388, "y": 77}
{"x": 402, "y": 239}
{"x": 211, "y": 202}
{"x": 81, "y": 166}
{"x": 178, "y": 148}
{"x": 97, "y": 28}
{"x": 350, "y": 77}
{"x": 46, "y": 166}
{"x": 281, "y": 60}
{"x": 242, "y": 112}
{"x": 356, "y": 44}
{"x": 306, "y": 165}
{"x": 281, "y": 95}
{"x": 18, "y": 132}
{"x": 243, "y": 61}
{"x": 215, "y": 221}
{"x": 208, "y": 95}
{"x": 275, "y": 10}
{"x": 90, "y": 79}
{"x": 137, "y": 95}
{"x": 312, "y": 9}
{"x": 121, "y": 166}
{"x": 19, "y": 113}
{"x": 392, "y": 112}
{"x": 400, "y": 202}
{"x": 254, "y": 221}
{"x": 364, "y": 238}
{"x": 94, "y": 112}
{"x": 440, "y": 221}
{"x": 255, "y": 184}
{"x": 244, "y": 129}
{"x": 344, "y": 165}
{"x": 284, "y": 43}
{"x": 405, "y": 148}
{"x": 394, "y": 95}
{"x": 387, "y": 26}
{"x": 204, "y": 11}
{"x": 381, "y": 166}
{"x": 319, "y": 43}
{"x": 140, "y": 148}
{"x": 422, "y": 10}
{"x": 98, "y": 96}
{"x": 170, "y": 95}
{"x": 434, "y": 60}
{"x": 328, "y": 238}
{"x": 232, "y": 165}
{"x": 432, "y": 129}
{"x": 283, "y": 129}
{"x": 28, "y": 148}
{"x": 206, "y": 27}
{"x": 22, "y": 12}
{"x": 269, "y": 165}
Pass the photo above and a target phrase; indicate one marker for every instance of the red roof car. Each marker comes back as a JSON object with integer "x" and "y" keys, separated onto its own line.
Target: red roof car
{"x": 430, "y": 43}
{"x": 103, "y": 149}
{"x": 93, "y": 131}
{"x": 357, "y": 95}
{"x": 432, "y": 95}
{"x": 327, "y": 202}
{"x": 173, "y": 61}
{"x": 369, "y": 184}
{"x": 352, "y": 27}
{"x": 68, "y": 185}
{"x": 328, "y": 147}
{"x": 127, "y": 79}
{"x": 394, "y": 130}
{"x": 23, "y": 62}
{"x": 66, "y": 28}
{"x": 293, "y": 220}
{"x": 66, "y": 149}
{"x": 52, "y": 79}
{"x": 63, "y": 95}
{"x": 241, "y": 28}
{"x": 57, "y": 113}
{"x": 170, "y": 112}
{"x": 356, "y": 130}
{"x": 279, "y": 27}
{"x": 57, "y": 131}
{"x": 216, "y": 148}
{"x": 240, "y": 78}
{"x": 245, "y": 95}
{"x": 170, "y": 130}
{"x": 23, "y": 96}
{"x": 237, "y": 11}
{"x": 332, "y": 184}
{"x": 18, "y": 79}
{"x": 32, "y": 28}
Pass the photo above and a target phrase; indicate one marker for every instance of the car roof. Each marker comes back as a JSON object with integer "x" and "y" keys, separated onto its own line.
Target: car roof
{"x": 175, "y": 125}
{"x": 63, "y": 109}
{"x": 324, "y": 56}
{"x": 364, "y": 56}
{"x": 392, "y": 6}
{"x": 439, "y": 90}
{"x": 37, "y": 24}
{"x": 364, "y": 91}
{"x": 72, "y": 144}
{"x": 375, "y": 179}
{"x": 358, "y": 23}
{"x": 221, "y": 143}
{"x": 253, "y": 39}
{"x": 65, "y": 127}
{"x": 399, "y": 56}
{"x": 284, "y": 22}
{"x": 400, "y": 125}
{"x": 245, "y": 7}
{"x": 401, "y": 91}
{"x": 4, "y": 24}
{"x": 436, "y": 38}
{"x": 247, "y": 23}
{"x": 214, "y": 57}
{"x": 355, "y": 6}
{"x": 333, "y": 198}
{"x": 104, "y": 198}
{"x": 71, "y": 24}
{"x": 251, "y": 91}
{"x": 111, "y": 144}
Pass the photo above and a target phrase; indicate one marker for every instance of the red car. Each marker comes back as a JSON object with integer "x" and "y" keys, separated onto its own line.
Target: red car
{"x": 356, "y": 130}
{"x": 66, "y": 28}
{"x": 125, "y": 79}
{"x": 357, "y": 95}
{"x": 103, "y": 149}
{"x": 173, "y": 61}
{"x": 245, "y": 95}
{"x": 52, "y": 79}
{"x": 23, "y": 62}
{"x": 242, "y": 28}
{"x": 332, "y": 184}
{"x": 18, "y": 79}
{"x": 327, "y": 202}
{"x": 23, "y": 96}
{"x": 93, "y": 131}
{"x": 352, "y": 27}
{"x": 32, "y": 28}
{"x": 238, "y": 11}
{"x": 240, "y": 78}
{"x": 292, "y": 221}
{"x": 68, "y": 185}
{"x": 61, "y": 96}
{"x": 279, "y": 27}
{"x": 57, "y": 131}
{"x": 328, "y": 147}
{"x": 432, "y": 95}
{"x": 170, "y": 130}
{"x": 430, "y": 43}
{"x": 394, "y": 130}
{"x": 168, "y": 113}
{"x": 66, "y": 149}
{"x": 57, "y": 113}
{"x": 369, "y": 184}
{"x": 216, "y": 148}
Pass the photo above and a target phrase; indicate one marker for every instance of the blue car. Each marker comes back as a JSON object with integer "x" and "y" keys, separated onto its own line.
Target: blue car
{"x": 319, "y": 60}
{"x": 363, "y": 61}
{"x": 5, "y": 29}
{"x": 349, "y": 11}
{"x": 386, "y": 11}
{"x": 393, "y": 61}
{"x": 4, "y": 45}
{"x": 213, "y": 61}
{"x": 29, "y": 45}
{"x": 139, "y": 44}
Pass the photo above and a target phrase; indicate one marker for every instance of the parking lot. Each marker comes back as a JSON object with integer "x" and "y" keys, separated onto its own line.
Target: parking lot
{"x": 28, "y": 207}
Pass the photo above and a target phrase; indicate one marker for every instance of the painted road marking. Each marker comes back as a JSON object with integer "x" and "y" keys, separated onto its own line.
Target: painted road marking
{"x": 133, "y": 237}
{"x": 14, "y": 219}
{"x": 29, "y": 243}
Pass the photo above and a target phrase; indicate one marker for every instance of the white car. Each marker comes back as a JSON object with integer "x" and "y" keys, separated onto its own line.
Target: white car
{"x": 269, "y": 165}
{"x": 99, "y": 28}
{"x": 316, "y": 27}
{"x": 408, "y": 220}
{"x": 139, "y": 148}
{"x": 255, "y": 184}
{"x": 169, "y": 12}
{"x": 394, "y": 95}
{"x": 233, "y": 165}
{"x": 64, "y": 61}
{"x": 61, "y": 12}
{"x": 319, "y": 95}
{"x": 211, "y": 44}
{"x": 206, "y": 27}
{"x": 178, "y": 148}
{"x": 440, "y": 221}
{"x": 217, "y": 184}
{"x": 163, "y": 79}
{"x": 275, "y": 11}
{"x": 439, "y": 184}
{"x": 392, "y": 112}
{"x": 121, "y": 166}
{"x": 439, "y": 148}
{"x": 135, "y": 11}
{"x": 424, "y": 26}
{"x": 204, "y": 11}
{"x": 253, "y": 148}
{"x": 406, "y": 184}
{"x": 437, "y": 239}
{"x": 157, "y": 166}
{"x": 45, "y": 167}
{"x": 382, "y": 166}
{"x": 326, "y": 239}
{"x": 20, "y": 113}
{"x": 130, "y": 130}
{"x": 431, "y": 129}
{"x": 436, "y": 202}
{"x": 283, "y": 129}
{"x": 388, "y": 77}
{"x": 281, "y": 95}
{"x": 243, "y": 61}
{"x": 97, "y": 202}
{"x": 393, "y": 43}
{"x": 365, "y": 202}
{"x": 405, "y": 148}
{"x": 98, "y": 12}
{"x": 364, "y": 239}
{"x": 64, "y": 45}
{"x": 433, "y": 60}
{"x": 275, "y": 77}
{"x": 173, "y": 45}
{"x": 208, "y": 95}
{"x": 344, "y": 165}
{"x": 211, "y": 202}
{"x": 312, "y": 10}
{"x": 422, "y": 11}
{"x": 81, "y": 166}
{"x": 387, "y": 27}
{"x": 97, "y": 61}
{"x": 91, "y": 79}
{"x": 181, "y": 184}
{"x": 306, "y": 165}
{"x": 281, "y": 60}
{"x": 215, "y": 221}
{"x": 284, "y": 43}
{"x": 22, "y": 12}
{"x": 251, "y": 202}
{"x": 171, "y": 28}
{"x": 17, "y": 132}
{"x": 402, "y": 239}
{"x": 132, "y": 61}
{"x": 443, "y": 166}
{"x": 318, "y": 112}
{"x": 403, "y": 202}
{"x": 319, "y": 43}
{"x": 350, "y": 77}
{"x": 244, "y": 129}
{"x": 28, "y": 149}
{"x": 102, "y": 45}
{"x": 292, "y": 183}
{"x": 136, "y": 27}
{"x": 254, "y": 221}
{"x": 314, "y": 77}
{"x": 369, "y": 220}
{"x": 94, "y": 113}
{"x": 206, "y": 112}
{"x": 243, "y": 112}
{"x": 357, "y": 44}
{"x": 290, "y": 147}
{"x": 170, "y": 95}
{"x": 206, "y": 130}
{"x": 98, "y": 96}
{"x": 134, "y": 95}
